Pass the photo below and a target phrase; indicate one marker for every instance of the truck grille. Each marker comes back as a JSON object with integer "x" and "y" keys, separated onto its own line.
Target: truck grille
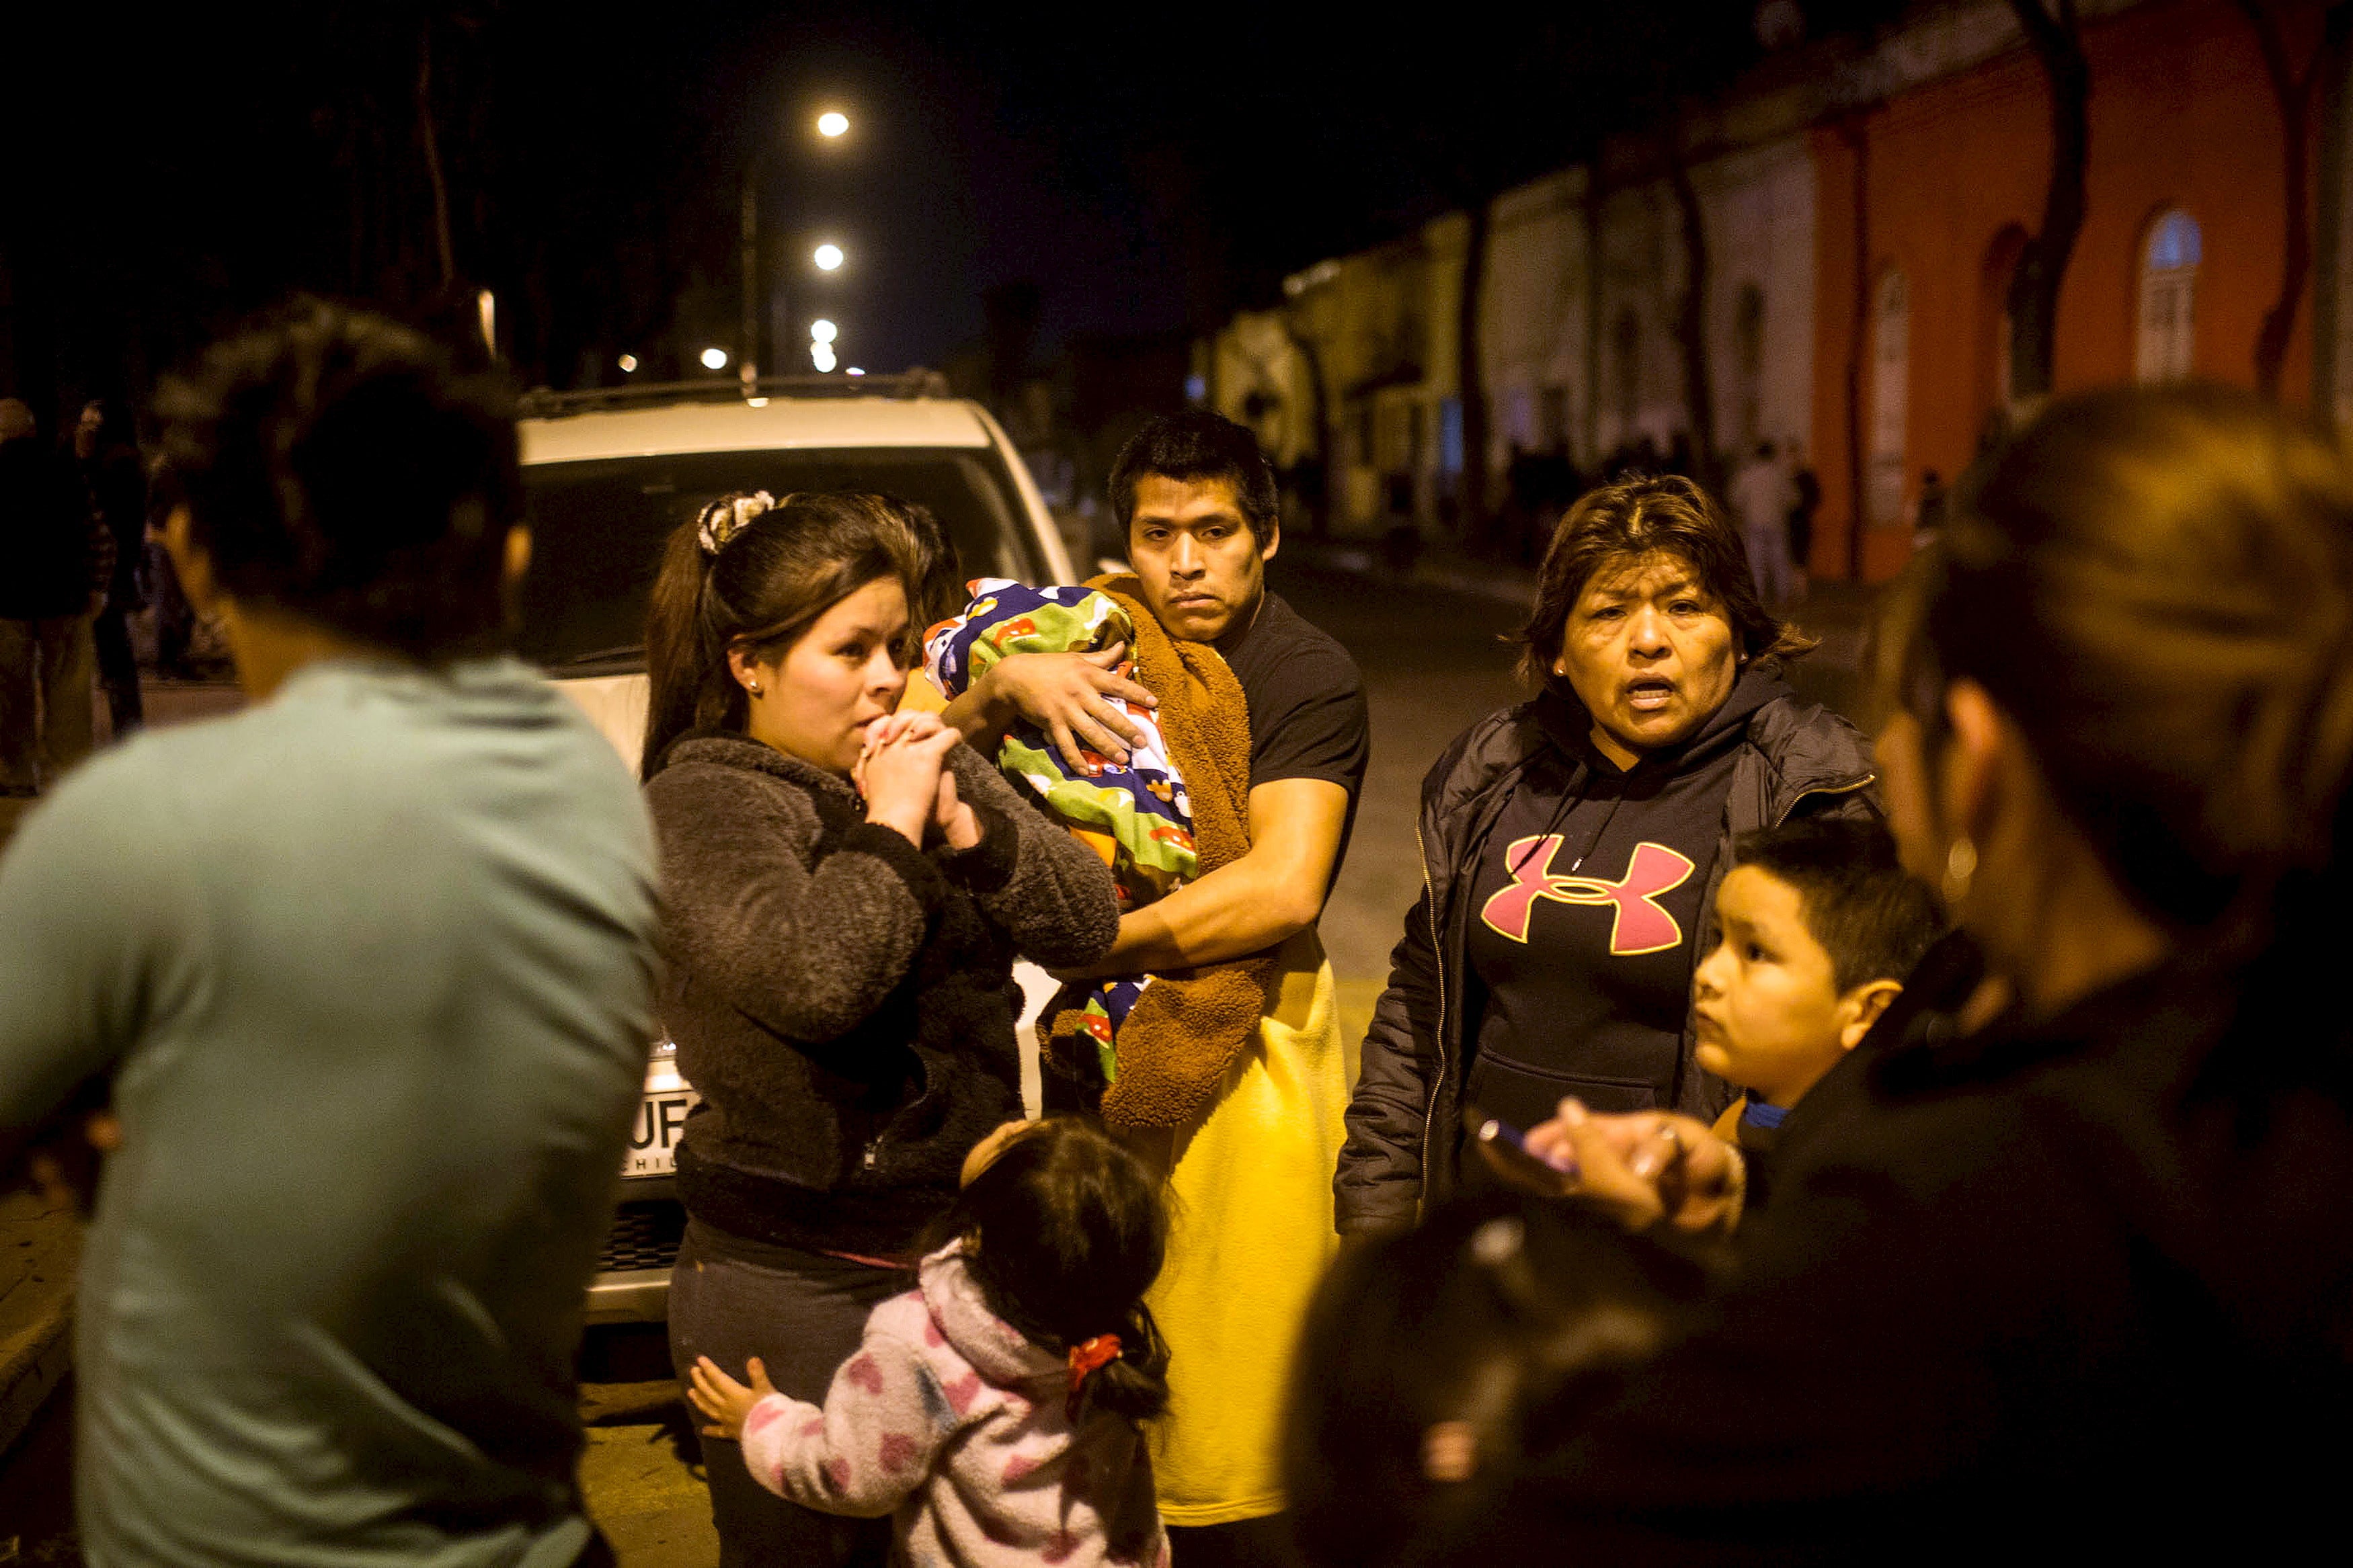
{"x": 644, "y": 1236}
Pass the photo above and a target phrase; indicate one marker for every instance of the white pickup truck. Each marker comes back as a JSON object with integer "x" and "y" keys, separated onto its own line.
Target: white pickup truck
{"x": 607, "y": 475}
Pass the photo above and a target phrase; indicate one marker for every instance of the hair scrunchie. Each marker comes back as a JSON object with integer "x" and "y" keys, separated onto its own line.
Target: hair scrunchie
{"x": 728, "y": 516}
{"x": 1086, "y": 1360}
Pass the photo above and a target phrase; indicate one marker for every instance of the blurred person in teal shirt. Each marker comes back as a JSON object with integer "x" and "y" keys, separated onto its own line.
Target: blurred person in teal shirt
{"x": 369, "y": 967}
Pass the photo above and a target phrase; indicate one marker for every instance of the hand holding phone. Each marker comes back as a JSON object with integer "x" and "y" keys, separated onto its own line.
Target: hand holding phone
{"x": 1505, "y": 1148}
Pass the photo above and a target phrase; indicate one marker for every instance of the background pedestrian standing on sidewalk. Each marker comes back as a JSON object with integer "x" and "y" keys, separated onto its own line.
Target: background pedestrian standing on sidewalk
{"x": 107, "y": 452}
{"x": 51, "y": 574}
{"x": 1805, "y": 500}
{"x": 1763, "y": 496}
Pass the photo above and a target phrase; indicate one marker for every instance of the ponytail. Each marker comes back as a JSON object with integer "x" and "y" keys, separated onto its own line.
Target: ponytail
{"x": 1133, "y": 1385}
{"x": 750, "y": 571}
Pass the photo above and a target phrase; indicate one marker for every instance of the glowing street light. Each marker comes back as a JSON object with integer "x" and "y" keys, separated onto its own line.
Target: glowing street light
{"x": 827, "y": 256}
{"x": 628, "y": 364}
{"x": 821, "y": 356}
{"x": 823, "y": 332}
{"x": 714, "y": 358}
{"x": 832, "y": 125}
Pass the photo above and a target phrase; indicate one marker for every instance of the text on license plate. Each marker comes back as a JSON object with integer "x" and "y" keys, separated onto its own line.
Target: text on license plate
{"x": 653, "y": 1141}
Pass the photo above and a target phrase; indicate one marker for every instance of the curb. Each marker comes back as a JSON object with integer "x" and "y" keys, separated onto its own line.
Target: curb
{"x": 40, "y": 1246}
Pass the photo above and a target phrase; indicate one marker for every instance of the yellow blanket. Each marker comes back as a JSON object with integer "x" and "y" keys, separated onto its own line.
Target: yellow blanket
{"x": 1250, "y": 1187}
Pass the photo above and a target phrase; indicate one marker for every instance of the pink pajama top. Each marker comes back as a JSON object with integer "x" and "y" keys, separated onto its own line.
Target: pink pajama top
{"x": 953, "y": 1422}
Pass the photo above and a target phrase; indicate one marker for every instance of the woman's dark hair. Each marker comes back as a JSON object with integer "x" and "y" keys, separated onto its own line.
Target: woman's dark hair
{"x": 338, "y": 467}
{"x": 940, "y": 593}
{"x": 760, "y": 589}
{"x": 1198, "y": 445}
{"x": 2156, "y": 586}
{"x": 1065, "y": 1232}
{"x": 1517, "y": 1315}
{"x": 1629, "y": 518}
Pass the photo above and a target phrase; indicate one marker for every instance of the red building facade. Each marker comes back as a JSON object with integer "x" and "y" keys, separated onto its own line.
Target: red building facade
{"x": 1925, "y": 198}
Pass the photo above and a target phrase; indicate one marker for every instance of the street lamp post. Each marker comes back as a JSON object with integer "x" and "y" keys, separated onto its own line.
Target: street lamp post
{"x": 832, "y": 125}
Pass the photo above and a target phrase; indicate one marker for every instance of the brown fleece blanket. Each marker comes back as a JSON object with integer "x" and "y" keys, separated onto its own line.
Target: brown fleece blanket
{"x": 1189, "y": 1024}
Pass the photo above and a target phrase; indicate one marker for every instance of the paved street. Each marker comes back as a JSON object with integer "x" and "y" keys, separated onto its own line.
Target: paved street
{"x": 1432, "y": 663}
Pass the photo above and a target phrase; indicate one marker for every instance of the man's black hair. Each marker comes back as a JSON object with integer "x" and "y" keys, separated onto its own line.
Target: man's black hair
{"x": 343, "y": 467}
{"x": 1872, "y": 918}
{"x": 1198, "y": 445}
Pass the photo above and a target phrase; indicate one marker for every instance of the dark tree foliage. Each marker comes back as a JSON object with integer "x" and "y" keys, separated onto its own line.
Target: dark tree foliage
{"x": 2057, "y": 41}
{"x": 2294, "y": 87}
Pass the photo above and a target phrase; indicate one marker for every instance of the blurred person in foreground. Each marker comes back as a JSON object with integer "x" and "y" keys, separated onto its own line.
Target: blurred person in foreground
{"x": 2083, "y": 1276}
{"x": 1434, "y": 1360}
{"x": 52, "y": 579}
{"x": 370, "y": 966}
{"x": 107, "y": 455}
{"x": 1572, "y": 845}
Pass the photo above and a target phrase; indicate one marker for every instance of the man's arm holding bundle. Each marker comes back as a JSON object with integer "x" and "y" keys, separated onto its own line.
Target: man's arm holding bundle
{"x": 1271, "y": 894}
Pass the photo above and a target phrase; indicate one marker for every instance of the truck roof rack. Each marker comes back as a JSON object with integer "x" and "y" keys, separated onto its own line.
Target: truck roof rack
{"x": 544, "y": 403}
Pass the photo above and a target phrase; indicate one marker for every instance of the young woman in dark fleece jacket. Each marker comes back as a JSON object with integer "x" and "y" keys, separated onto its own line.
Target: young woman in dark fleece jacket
{"x": 847, "y": 889}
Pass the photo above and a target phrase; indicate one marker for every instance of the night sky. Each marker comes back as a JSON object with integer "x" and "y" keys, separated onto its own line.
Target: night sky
{"x": 1148, "y": 169}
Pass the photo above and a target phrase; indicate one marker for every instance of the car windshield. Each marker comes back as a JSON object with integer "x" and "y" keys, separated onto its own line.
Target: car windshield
{"x": 597, "y": 530}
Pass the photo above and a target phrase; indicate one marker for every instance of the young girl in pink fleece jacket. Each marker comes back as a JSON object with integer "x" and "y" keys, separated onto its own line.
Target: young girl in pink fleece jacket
{"x": 996, "y": 1407}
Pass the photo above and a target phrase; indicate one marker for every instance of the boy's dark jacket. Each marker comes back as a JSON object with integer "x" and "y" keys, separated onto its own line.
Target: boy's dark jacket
{"x": 1401, "y": 1148}
{"x": 843, "y": 1002}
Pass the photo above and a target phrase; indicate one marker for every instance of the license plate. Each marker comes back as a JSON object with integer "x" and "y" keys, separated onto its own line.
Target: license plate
{"x": 653, "y": 1141}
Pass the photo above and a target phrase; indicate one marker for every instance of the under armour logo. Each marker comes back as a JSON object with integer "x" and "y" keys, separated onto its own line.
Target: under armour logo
{"x": 1639, "y": 924}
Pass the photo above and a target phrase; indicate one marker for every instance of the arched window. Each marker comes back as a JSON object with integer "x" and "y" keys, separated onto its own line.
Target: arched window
{"x": 1890, "y": 374}
{"x": 2169, "y": 299}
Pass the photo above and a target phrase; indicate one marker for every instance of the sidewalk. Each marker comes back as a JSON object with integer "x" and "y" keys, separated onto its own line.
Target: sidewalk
{"x": 41, "y": 1243}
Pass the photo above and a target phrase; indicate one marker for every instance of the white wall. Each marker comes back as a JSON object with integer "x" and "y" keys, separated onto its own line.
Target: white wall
{"x": 1758, "y": 207}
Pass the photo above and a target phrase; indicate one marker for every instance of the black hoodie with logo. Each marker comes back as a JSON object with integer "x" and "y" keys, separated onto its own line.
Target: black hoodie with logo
{"x": 1586, "y": 912}
{"x": 1570, "y": 1002}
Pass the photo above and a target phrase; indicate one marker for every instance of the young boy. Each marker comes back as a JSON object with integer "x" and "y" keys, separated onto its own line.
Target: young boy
{"x": 1819, "y": 927}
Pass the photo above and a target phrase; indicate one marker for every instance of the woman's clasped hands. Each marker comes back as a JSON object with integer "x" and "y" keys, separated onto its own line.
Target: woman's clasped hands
{"x": 903, "y": 773}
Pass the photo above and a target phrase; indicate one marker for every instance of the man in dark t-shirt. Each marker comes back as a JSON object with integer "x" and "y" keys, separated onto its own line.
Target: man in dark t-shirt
{"x": 1250, "y": 1178}
{"x": 1199, "y": 506}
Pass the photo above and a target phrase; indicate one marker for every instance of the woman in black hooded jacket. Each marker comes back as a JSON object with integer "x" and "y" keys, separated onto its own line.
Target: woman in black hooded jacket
{"x": 1571, "y": 846}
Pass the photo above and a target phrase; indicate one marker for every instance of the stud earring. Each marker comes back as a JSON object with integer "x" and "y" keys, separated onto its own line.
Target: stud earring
{"x": 1961, "y": 866}
{"x": 752, "y": 686}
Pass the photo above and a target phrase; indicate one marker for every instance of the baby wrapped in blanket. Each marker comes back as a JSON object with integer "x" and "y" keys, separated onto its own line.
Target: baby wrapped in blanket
{"x": 1135, "y": 815}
